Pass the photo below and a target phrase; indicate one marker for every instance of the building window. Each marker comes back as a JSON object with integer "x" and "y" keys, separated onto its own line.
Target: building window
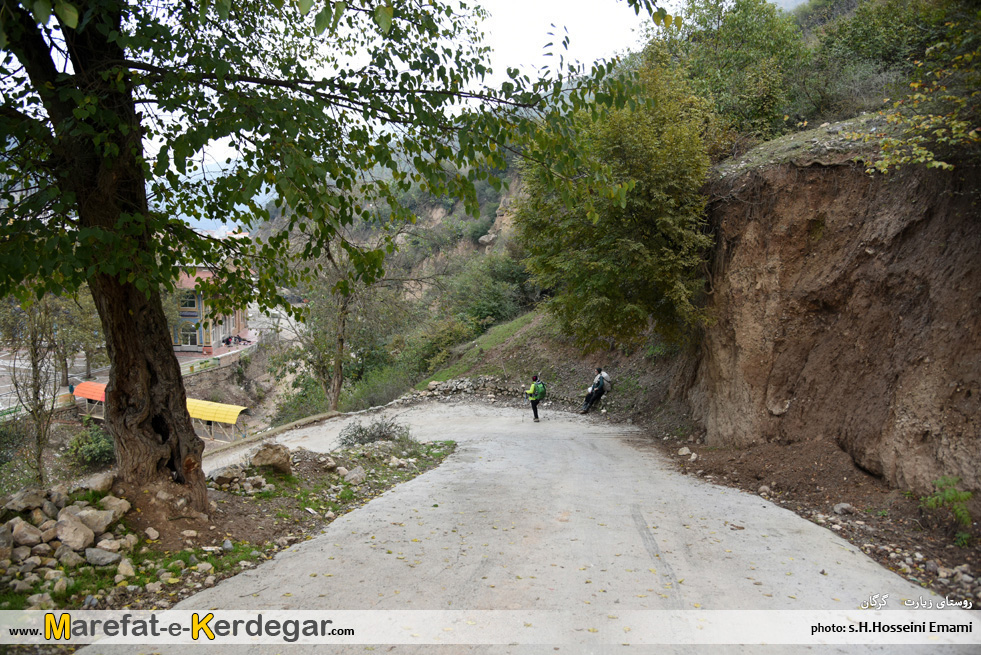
{"x": 189, "y": 335}
{"x": 189, "y": 299}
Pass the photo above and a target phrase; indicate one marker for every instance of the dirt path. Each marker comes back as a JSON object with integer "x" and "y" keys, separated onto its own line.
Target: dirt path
{"x": 566, "y": 515}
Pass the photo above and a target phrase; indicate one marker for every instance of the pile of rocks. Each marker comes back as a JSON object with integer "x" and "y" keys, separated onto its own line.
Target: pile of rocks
{"x": 47, "y": 536}
{"x": 235, "y": 478}
{"x": 487, "y": 386}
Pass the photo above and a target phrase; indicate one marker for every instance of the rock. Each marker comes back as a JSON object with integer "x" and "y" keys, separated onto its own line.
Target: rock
{"x": 693, "y": 457}
{"x": 50, "y": 509}
{"x": 844, "y": 508}
{"x": 684, "y": 451}
{"x": 275, "y": 456}
{"x": 341, "y": 471}
{"x": 118, "y": 506}
{"x": 23, "y": 533}
{"x": 21, "y": 586}
{"x": 96, "y": 520}
{"x": 151, "y": 534}
{"x": 189, "y": 534}
{"x": 54, "y": 575}
{"x": 227, "y": 474}
{"x": 42, "y": 550}
{"x": 209, "y": 581}
{"x": 25, "y": 501}
{"x": 227, "y": 546}
{"x": 6, "y": 541}
{"x": 110, "y": 545}
{"x": 61, "y": 586}
{"x": 59, "y": 497}
{"x": 487, "y": 239}
{"x": 126, "y": 568}
{"x": 99, "y": 557}
{"x": 101, "y": 482}
{"x": 330, "y": 516}
{"x": 356, "y": 476}
{"x": 69, "y": 510}
{"x": 73, "y": 533}
{"x": 38, "y": 516}
{"x": 70, "y": 559}
{"x": 329, "y": 464}
{"x": 764, "y": 490}
{"x": 154, "y": 587}
{"x": 205, "y": 567}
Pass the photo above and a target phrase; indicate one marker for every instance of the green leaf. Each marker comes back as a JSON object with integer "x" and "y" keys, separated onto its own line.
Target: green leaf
{"x": 305, "y": 6}
{"x": 339, "y": 8}
{"x": 678, "y": 22}
{"x": 323, "y": 20}
{"x": 224, "y": 7}
{"x": 383, "y": 18}
{"x": 68, "y": 14}
{"x": 42, "y": 11}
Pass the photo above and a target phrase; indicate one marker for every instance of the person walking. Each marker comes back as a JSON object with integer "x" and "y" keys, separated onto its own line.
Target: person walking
{"x": 535, "y": 393}
{"x": 595, "y": 391}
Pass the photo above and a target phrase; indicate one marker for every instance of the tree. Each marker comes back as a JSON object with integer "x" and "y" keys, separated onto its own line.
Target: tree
{"x": 110, "y": 115}
{"x": 938, "y": 119}
{"x": 76, "y": 328}
{"x": 28, "y": 333}
{"x": 740, "y": 53}
{"x": 616, "y": 267}
{"x": 342, "y": 327}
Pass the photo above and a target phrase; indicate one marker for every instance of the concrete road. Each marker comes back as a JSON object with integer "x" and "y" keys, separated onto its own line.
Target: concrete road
{"x": 572, "y": 515}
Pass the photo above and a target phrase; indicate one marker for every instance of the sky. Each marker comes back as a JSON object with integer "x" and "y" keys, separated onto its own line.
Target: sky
{"x": 517, "y": 31}
{"x": 597, "y": 29}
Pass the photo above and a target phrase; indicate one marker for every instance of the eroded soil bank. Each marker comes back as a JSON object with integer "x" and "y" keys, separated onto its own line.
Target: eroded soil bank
{"x": 848, "y": 307}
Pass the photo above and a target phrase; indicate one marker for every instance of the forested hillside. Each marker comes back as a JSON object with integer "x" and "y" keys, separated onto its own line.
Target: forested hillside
{"x": 810, "y": 299}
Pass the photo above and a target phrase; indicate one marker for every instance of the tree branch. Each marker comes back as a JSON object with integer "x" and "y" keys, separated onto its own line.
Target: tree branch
{"x": 24, "y": 39}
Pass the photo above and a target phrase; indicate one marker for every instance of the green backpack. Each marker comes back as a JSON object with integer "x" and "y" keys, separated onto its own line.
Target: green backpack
{"x": 540, "y": 391}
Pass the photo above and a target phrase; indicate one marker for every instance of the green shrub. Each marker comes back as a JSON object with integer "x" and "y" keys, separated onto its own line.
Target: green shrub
{"x": 13, "y": 435}
{"x": 306, "y": 398}
{"x": 380, "y": 429}
{"x": 377, "y": 387}
{"x": 491, "y": 287}
{"x": 92, "y": 447}
{"x": 948, "y": 497}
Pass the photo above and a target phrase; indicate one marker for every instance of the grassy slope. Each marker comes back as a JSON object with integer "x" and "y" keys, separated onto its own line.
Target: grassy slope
{"x": 532, "y": 345}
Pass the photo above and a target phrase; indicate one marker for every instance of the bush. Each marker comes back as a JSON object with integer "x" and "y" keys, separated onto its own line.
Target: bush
{"x": 306, "y": 398}
{"x": 491, "y": 287}
{"x": 947, "y": 496}
{"x": 92, "y": 447}
{"x": 13, "y": 435}
{"x": 380, "y": 429}
{"x": 377, "y": 387}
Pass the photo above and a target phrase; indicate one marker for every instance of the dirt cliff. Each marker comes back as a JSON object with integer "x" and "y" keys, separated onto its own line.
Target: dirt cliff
{"x": 848, "y": 307}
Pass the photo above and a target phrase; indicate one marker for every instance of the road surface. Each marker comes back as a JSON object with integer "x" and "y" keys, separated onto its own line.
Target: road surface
{"x": 572, "y": 518}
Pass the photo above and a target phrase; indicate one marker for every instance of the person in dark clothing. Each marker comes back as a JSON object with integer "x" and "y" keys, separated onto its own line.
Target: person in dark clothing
{"x": 535, "y": 393}
{"x": 595, "y": 391}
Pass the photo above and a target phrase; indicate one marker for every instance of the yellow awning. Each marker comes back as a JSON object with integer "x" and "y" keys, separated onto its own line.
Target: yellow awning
{"x": 204, "y": 410}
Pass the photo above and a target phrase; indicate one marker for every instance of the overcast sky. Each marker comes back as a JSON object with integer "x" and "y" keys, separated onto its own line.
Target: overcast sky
{"x": 517, "y": 30}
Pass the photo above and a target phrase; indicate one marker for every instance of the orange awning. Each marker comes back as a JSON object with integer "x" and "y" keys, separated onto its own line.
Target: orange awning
{"x": 91, "y": 391}
{"x": 202, "y": 410}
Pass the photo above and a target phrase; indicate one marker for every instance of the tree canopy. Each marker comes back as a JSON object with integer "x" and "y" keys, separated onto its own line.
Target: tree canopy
{"x": 112, "y": 114}
{"x": 617, "y": 266}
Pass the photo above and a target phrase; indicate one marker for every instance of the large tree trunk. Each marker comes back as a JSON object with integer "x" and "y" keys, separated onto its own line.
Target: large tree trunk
{"x": 146, "y": 406}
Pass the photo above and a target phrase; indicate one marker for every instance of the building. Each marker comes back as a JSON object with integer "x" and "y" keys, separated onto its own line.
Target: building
{"x": 197, "y": 330}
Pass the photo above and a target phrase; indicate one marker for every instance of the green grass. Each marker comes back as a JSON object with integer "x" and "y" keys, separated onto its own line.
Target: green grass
{"x": 494, "y": 337}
